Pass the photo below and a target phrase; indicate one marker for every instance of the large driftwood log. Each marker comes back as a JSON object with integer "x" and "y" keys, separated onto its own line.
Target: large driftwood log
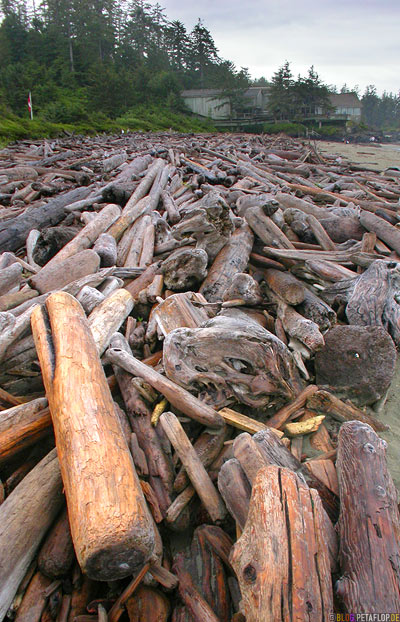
{"x": 25, "y": 517}
{"x": 281, "y": 559}
{"x": 369, "y": 524}
{"x": 14, "y": 231}
{"x": 232, "y": 258}
{"x": 357, "y": 362}
{"x": 111, "y": 526}
{"x": 235, "y": 490}
{"x": 250, "y": 363}
{"x": 88, "y": 235}
{"x": 56, "y": 276}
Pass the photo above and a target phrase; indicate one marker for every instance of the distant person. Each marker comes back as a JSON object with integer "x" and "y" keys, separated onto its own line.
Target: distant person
{"x": 372, "y": 139}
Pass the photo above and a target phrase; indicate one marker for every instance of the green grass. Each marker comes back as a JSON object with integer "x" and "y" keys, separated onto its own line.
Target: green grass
{"x": 140, "y": 118}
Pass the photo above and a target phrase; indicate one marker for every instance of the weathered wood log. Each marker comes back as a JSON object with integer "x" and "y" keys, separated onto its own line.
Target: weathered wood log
{"x": 244, "y": 289}
{"x": 57, "y": 552}
{"x": 88, "y": 235}
{"x": 130, "y": 246}
{"x": 274, "y": 451}
{"x": 184, "y": 268}
{"x": 34, "y": 600}
{"x": 116, "y": 537}
{"x": 320, "y": 234}
{"x": 232, "y": 258}
{"x": 161, "y": 472}
{"x": 258, "y": 368}
{"x": 133, "y": 209}
{"x": 109, "y": 164}
{"x": 25, "y": 517}
{"x": 266, "y": 229}
{"x": 235, "y": 490}
{"x": 21, "y": 426}
{"x": 108, "y": 316}
{"x": 369, "y": 524}
{"x": 291, "y": 581}
{"x": 194, "y": 601}
{"x": 325, "y": 402}
{"x": 106, "y": 248}
{"x": 89, "y": 297}
{"x": 14, "y": 232}
{"x": 148, "y": 604}
{"x": 14, "y": 299}
{"x": 142, "y": 281}
{"x": 170, "y": 207}
{"x": 193, "y": 467}
{"x": 82, "y": 594}
{"x": 178, "y": 397}
{"x": 357, "y": 362}
{"x": 56, "y": 276}
{"x": 285, "y": 285}
{"x": 147, "y": 252}
{"x": 10, "y": 278}
{"x": 299, "y": 327}
{"x": 384, "y": 230}
{"x": 12, "y": 328}
{"x": 207, "y": 446}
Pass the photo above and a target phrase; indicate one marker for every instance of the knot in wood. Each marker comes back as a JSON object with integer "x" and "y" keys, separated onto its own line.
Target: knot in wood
{"x": 249, "y": 574}
{"x": 368, "y": 448}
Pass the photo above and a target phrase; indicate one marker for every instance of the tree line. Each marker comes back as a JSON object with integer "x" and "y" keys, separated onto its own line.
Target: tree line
{"x": 81, "y": 57}
{"x": 87, "y": 58}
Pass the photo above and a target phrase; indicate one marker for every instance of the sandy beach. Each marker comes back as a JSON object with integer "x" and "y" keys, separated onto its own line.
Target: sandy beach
{"x": 374, "y": 156}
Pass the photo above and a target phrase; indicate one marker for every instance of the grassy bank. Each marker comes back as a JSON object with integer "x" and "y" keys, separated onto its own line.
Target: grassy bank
{"x": 141, "y": 118}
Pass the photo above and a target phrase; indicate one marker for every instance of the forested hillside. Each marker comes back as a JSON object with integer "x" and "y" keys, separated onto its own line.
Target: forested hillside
{"x": 81, "y": 58}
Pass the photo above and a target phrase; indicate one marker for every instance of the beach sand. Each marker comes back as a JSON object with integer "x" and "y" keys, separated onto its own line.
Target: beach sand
{"x": 374, "y": 156}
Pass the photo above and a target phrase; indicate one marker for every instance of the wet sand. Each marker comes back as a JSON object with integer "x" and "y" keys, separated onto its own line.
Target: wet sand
{"x": 374, "y": 156}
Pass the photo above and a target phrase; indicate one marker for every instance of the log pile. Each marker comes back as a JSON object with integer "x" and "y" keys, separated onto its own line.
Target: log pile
{"x": 197, "y": 336}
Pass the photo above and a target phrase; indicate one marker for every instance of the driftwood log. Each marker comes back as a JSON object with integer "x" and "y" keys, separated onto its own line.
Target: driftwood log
{"x": 369, "y": 523}
{"x": 115, "y": 537}
{"x": 281, "y": 559}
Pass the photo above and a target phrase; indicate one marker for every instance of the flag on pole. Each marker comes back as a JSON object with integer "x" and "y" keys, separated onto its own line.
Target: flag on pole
{"x": 30, "y": 104}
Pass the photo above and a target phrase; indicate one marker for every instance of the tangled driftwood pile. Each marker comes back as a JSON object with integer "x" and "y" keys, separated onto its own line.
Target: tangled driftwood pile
{"x": 193, "y": 319}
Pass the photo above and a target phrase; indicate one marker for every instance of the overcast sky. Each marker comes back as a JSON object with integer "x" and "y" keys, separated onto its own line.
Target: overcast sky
{"x": 348, "y": 41}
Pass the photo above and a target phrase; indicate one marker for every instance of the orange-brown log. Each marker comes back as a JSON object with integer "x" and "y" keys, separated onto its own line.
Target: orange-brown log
{"x": 111, "y": 526}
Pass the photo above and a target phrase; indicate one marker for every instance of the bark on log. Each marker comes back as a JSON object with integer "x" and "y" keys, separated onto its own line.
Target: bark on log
{"x": 25, "y": 517}
{"x": 114, "y": 537}
{"x": 369, "y": 524}
{"x": 266, "y": 229}
{"x": 281, "y": 560}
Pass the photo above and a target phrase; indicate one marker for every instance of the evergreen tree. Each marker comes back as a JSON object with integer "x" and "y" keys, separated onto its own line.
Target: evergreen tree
{"x": 281, "y": 97}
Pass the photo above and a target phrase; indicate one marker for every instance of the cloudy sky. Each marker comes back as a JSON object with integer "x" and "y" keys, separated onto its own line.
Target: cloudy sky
{"x": 348, "y": 41}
